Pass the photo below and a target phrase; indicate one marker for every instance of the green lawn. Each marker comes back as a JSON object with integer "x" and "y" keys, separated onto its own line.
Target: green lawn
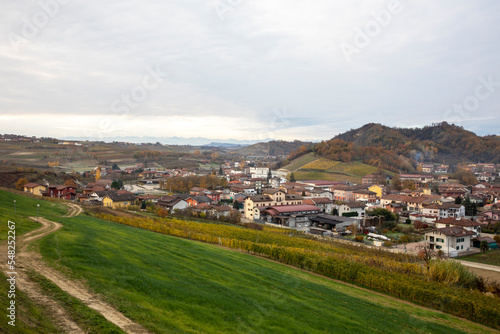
{"x": 173, "y": 285}
{"x": 491, "y": 257}
{"x": 25, "y": 207}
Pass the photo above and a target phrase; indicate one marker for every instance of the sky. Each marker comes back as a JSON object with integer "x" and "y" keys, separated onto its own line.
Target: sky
{"x": 246, "y": 70}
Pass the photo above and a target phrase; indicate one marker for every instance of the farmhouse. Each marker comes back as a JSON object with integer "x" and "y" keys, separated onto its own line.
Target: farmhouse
{"x": 115, "y": 200}
{"x": 34, "y": 188}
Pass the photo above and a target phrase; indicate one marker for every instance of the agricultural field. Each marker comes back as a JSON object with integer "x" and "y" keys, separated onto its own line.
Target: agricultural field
{"x": 174, "y": 285}
{"x": 319, "y": 175}
{"x": 321, "y": 164}
{"x": 301, "y": 161}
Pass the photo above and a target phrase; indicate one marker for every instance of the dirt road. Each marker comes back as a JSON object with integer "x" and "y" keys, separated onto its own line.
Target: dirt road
{"x": 32, "y": 260}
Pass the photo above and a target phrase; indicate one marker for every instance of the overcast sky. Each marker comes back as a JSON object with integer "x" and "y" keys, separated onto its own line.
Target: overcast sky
{"x": 248, "y": 70}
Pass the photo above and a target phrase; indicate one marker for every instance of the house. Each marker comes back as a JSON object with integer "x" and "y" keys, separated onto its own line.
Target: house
{"x": 320, "y": 193}
{"x": 323, "y": 203}
{"x": 355, "y": 209}
{"x": 395, "y": 207}
{"x": 365, "y": 196}
{"x": 293, "y": 216}
{"x": 451, "y": 210}
{"x": 34, "y": 188}
{"x": 62, "y": 192}
{"x": 413, "y": 203}
{"x": 146, "y": 198}
{"x": 451, "y": 240}
{"x": 115, "y": 200}
{"x": 469, "y": 225}
{"x": 172, "y": 203}
{"x": 379, "y": 190}
{"x": 197, "y": 200}
{"x": 271, "y": 197}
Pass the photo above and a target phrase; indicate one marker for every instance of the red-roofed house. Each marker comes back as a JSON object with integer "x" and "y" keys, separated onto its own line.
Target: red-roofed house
{"x": 34, "y": 188}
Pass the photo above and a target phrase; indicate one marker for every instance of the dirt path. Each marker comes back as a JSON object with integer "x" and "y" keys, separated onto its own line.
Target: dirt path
{"x": 32, "y": 289}
{"x": 32, "y": 260}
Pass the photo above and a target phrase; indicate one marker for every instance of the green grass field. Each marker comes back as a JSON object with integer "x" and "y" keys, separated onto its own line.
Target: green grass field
{"x": 299, "y": 162}
{"x": 25, "y": 207}
{"x": 491, "y": 257}
{"x": 173, "y": 285}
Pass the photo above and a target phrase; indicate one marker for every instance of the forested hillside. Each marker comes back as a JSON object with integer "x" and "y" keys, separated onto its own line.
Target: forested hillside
{"x": 435, "y": 143}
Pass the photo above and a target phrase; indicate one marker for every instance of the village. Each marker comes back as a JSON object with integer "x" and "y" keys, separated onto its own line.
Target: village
{"x": 402, "y": 212}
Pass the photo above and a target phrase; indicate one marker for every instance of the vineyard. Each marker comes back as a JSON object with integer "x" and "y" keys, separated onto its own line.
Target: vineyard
{"x": 321, "y": 164}
{"x": 397, "y": 274}
{"x": 299, "y": 162}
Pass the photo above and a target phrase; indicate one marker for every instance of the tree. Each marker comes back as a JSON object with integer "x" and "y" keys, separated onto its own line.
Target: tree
{"x": 115, "y": 185}
{"x": 21, "y": 183}
{"x": 143, "y": 205}
{"x": 465, "y": 177}
{"x": 484, "y": 246}
{"x": 292, "y": 177}
{"x": 388, "y": 215}
{"x": 70, "y": 183}
{"x": 396, "y": 182}
{"x": 426, "y": 254}
{"x": 269, "y": 174}
{"x": 458, "y": 200}
{"x": 335, "y": 212}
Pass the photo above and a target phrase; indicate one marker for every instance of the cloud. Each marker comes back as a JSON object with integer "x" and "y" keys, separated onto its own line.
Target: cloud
{"x": 235, "y": 73}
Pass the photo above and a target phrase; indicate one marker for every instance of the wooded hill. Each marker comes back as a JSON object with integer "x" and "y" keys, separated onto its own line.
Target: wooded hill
{"x": 401, "y": 148}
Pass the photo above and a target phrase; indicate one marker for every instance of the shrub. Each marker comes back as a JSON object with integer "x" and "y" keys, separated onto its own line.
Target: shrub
{"x": 405, "y": 239}
{"x": 359, "y": 238}
{"x": 497, "y": 238}
{"x": 387, "y": 243}
{"x": 451, "y": 272}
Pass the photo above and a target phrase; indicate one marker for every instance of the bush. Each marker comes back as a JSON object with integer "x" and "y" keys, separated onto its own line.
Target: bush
{"x": 451, "y": 272}
{"x": 388, "y": 243}
{"x": 359, "y": 238}
{"x": 497, "y": 238}
{"x": 405, "y": 239}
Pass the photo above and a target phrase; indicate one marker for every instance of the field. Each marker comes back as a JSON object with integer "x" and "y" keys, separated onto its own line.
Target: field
{"x": 491, "y": 257}
{"x": 310, "y": 167}
{"x": 173, "y": 285}
{"x": 301, "y": 161}
{"x": 25, "y": 207}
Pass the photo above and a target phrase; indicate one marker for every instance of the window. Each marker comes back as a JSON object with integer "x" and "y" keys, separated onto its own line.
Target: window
{"x": 458, "y": 248}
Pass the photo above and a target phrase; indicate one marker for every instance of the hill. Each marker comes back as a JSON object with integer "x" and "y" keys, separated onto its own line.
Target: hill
{"x": 312, "y": 167}
{"x": 434, "y": 143}
{"x": 278, "y": 148}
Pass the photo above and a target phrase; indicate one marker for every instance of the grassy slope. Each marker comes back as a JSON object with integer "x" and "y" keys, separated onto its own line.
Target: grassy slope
{"x": 172, "y": 285}
{"x": 310, "y": 167}
{"x": 491, "y": 257}
{"x": 301, "y": 161}
{"x": 25, "y": 207}
{"x": 31, "y": 317}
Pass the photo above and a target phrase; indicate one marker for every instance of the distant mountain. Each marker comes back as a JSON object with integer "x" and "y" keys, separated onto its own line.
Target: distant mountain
{"x": 399, "y": 149}
{"x": 191, "y": 141}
